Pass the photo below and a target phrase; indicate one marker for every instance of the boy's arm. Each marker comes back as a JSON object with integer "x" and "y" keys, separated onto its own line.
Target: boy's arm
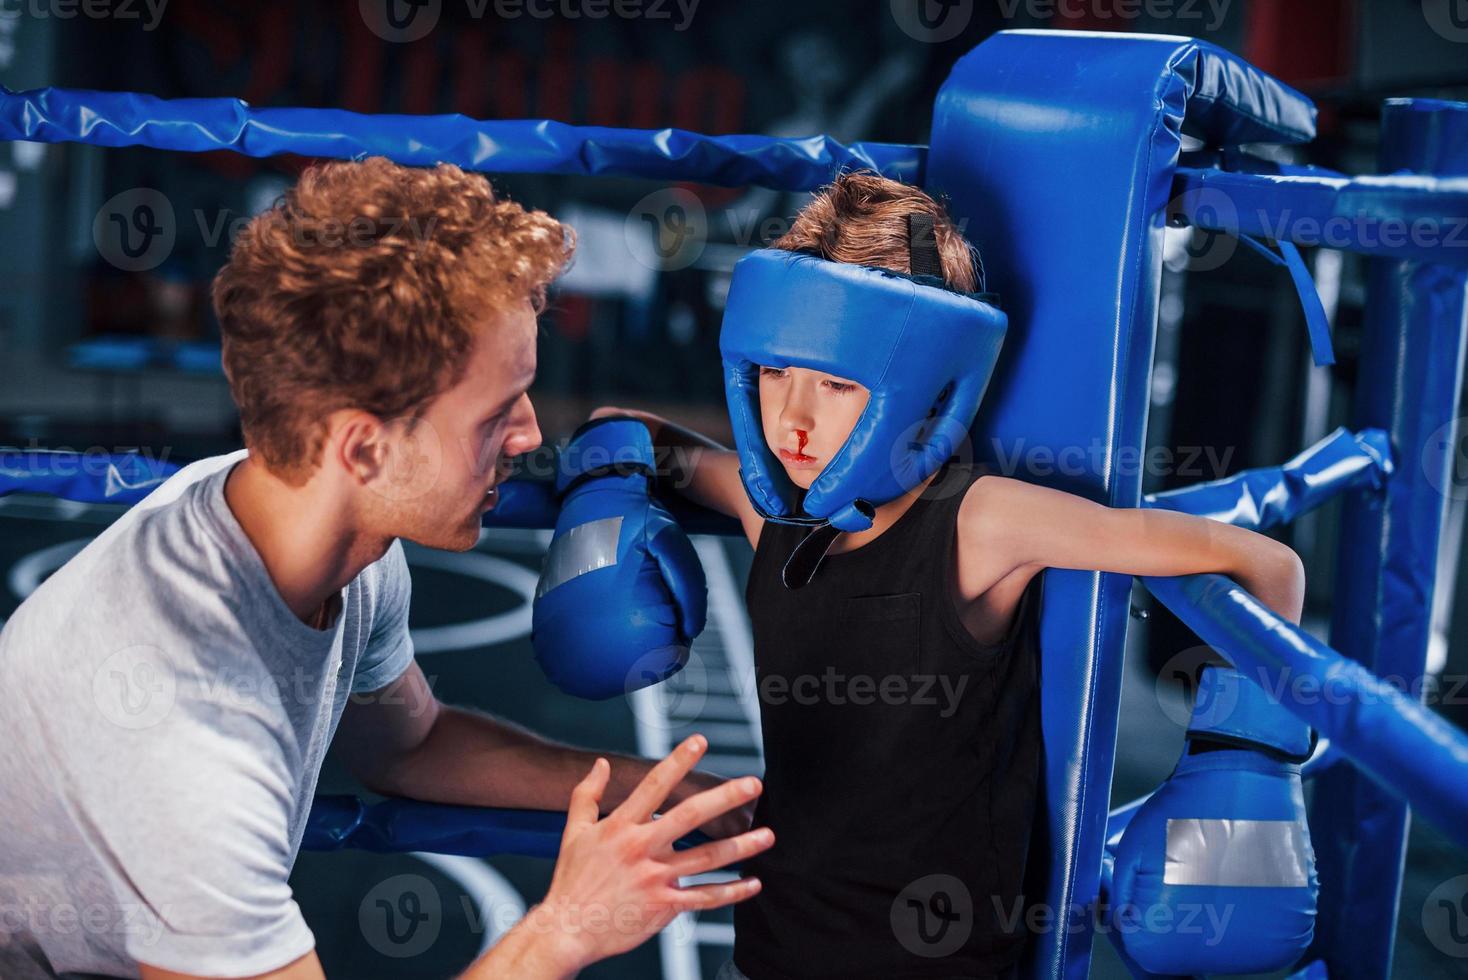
{"x": 1014, "y": 524}
{"x": 697, "y": 467}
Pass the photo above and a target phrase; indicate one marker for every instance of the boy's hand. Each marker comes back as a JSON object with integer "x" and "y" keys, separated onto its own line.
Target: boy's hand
{"x": 606, "y": 410}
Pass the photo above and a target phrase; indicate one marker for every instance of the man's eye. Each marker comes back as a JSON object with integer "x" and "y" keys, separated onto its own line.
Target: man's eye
{"x": 840, "y": 386}
{"x": 770, "y": 372}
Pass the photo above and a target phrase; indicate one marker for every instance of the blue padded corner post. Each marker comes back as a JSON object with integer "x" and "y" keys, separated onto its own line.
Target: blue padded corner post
{"x": 1056, "y": 152}
{"x": 1411, "y": 370}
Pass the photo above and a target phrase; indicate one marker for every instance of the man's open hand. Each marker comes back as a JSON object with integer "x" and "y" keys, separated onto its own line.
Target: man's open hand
{"x": 728, "y": 824}
{"x": 616, "y": 881}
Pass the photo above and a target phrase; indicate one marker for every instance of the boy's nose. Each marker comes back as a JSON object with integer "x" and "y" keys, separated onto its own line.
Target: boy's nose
{"x": 795, "y": 421}
{"x": 796, "y": 412}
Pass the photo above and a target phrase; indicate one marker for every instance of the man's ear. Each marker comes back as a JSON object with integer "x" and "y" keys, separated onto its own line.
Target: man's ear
{"x": 400, "y": 458}
{"x": 360, "y": 443}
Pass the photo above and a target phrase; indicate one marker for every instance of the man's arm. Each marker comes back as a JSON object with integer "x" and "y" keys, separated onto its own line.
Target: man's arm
{"x": 308, "y": 967}
{"x": 401, "y": 741}
{"x": 617, "y": 880}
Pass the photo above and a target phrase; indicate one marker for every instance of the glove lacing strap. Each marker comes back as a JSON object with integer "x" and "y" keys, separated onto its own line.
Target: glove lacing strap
{"x": 643, "y": 466}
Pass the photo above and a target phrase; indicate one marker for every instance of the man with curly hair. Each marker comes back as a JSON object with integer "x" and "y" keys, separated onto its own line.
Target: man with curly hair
{"x": 173, "y": 688}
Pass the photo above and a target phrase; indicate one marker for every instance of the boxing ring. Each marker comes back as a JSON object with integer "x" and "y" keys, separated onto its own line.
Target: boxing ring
{"x": 1067, "y": 184}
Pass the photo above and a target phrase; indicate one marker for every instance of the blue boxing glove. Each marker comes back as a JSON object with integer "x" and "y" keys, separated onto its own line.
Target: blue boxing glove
{"x": 621, "y": 593}
{"x": 1215, "y": 872}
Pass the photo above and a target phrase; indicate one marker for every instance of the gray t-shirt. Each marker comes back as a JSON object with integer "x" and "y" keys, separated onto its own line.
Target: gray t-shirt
{"x": 163, "y": 722}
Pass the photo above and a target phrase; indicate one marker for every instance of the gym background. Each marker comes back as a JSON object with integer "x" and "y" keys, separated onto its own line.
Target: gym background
{"x": 636, "y": 320}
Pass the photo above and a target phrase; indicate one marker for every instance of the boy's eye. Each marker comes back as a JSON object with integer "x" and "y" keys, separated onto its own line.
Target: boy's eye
{"x": 840, "y": 387}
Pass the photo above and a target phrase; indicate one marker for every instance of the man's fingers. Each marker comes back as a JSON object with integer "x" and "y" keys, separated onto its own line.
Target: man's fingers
{"x": 717, "y": 854}
{"x": 700, "y": 808}
{"x": 649, "y": 794}
{"x": 585, "y": 804}
{"x": 716, "y": 896}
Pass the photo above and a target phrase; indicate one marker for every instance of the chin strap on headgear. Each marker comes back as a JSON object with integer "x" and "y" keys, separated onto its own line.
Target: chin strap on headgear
{"x": 923, "y": 351}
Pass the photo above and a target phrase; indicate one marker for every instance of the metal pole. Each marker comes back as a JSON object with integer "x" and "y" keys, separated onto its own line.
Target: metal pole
{"x": 1411, "y": 370}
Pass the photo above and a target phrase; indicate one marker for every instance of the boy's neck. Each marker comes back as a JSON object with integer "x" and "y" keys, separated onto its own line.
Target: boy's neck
{"x": 887, "y": 515}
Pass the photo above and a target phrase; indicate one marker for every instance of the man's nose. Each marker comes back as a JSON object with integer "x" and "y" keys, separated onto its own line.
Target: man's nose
{"x": 525, "y": 436}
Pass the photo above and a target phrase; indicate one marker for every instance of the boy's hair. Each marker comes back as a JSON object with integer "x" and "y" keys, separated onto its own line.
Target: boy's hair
{"x": 364, "y": 286}
{"x": 861, "y": 218}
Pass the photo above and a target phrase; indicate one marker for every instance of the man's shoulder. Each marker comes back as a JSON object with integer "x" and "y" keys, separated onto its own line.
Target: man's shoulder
{"x": 167, "y": 506}
{"x": 159, "y": 550}
{"x": 138, "y": 570}
{"x": 187, "y": 475}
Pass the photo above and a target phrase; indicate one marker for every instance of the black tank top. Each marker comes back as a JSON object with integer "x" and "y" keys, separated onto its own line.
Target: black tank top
{"x": 902, "y": 761}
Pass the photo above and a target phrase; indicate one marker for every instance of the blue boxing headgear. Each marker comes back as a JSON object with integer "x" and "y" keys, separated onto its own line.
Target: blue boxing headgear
{"x": 924, "y": 351}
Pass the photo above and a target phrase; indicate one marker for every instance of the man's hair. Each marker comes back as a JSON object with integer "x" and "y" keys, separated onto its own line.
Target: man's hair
{"x": 861, "y": 218}
{"x": 364, "y": 286}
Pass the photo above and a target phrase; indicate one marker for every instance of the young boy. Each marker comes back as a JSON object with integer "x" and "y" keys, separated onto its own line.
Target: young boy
{"x": 898, "y": 688}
